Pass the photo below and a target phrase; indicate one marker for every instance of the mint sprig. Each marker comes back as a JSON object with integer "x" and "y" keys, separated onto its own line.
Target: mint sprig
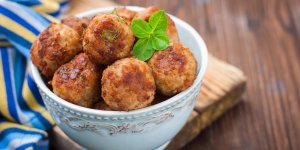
{"x": 151, "y": 35}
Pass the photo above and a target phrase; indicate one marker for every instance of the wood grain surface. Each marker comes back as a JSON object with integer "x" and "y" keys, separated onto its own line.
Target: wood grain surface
{"x": 262, "y": 37}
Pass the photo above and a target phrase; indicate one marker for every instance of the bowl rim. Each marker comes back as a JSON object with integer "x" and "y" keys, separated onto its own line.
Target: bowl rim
{"x": 203, "y": 61}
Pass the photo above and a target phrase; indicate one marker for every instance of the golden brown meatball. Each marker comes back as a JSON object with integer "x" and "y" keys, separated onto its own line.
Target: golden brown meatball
{"x": 174, "y": 69}
{"x": 128, "y": 84}
{"x": 125, "y": 13}
{"x": 78, "y": 81}
{"x": 78, "y": 24}
{"x": 107, "y": 39}
{"x": 55, "y": 46}
{"x": 171, "y": 28}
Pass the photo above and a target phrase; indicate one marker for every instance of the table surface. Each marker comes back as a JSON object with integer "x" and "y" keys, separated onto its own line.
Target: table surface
{"x": 262, "y": 38}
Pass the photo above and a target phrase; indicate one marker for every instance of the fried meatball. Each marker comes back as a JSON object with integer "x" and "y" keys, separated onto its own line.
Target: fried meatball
{"x": 171, "y": 28}
{"x": 125, "y": 13}
{"x": 174, "y": 69}
{"x": 78, "y": 81}
{"x": 107, "y": 39}
{"x": 128, "y": 84}
{"x": 78, "y": 24}
{"x": 55, "y": 46}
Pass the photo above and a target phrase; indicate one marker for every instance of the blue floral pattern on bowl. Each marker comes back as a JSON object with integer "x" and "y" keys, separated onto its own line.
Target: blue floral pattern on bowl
{"x": 116, "y": 125}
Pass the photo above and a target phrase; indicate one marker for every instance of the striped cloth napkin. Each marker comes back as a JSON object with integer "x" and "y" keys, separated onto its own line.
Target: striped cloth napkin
{"x": 23, "y": 118}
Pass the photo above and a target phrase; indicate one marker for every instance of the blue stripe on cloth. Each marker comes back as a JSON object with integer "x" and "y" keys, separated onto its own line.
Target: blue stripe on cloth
{"x": 1, "y": 118}
{"x": 64, "y": 3}
{"x": 26, "y": 11}
{"x": 19, "y": 71}
{"x": 28, "y": 145}
{"x": 32, "y": 17}
{"x": 38, "y": 17}
{"x": 55, "y": 14}
{"x": 18, "y": 19}
{"x": 34, "y": 89}
{"x": 3, "y": 40}
{"x": 8, "y": 84}
{"x": 23, "y": 50}
{"x": 29, "y": 3}
{"x": 36, "y": 119}
{"x": 35, "y": 145}
{"x": 14, "y": 129}
{"x": 13, "y": 133}
{"x": 16, "y": 38}
{"x": 64, "y": 6}
{"x": 47, "y": 20}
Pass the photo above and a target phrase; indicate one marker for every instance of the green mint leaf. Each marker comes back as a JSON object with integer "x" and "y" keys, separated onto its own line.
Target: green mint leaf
{"x": 140, "y": 28}
{"x": 143, "y": 49}
{"x": 159, "y": 21}
{"x": 160, "y": 40}
{"x": 151, "y": 36}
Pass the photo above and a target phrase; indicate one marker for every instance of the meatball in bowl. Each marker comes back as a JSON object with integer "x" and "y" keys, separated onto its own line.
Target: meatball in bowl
{"x": 121, "y": 91}
{"x": 107, "y": 39}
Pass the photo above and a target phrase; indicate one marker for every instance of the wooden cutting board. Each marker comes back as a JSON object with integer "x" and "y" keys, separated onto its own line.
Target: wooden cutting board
{"x": 223, "y": 85}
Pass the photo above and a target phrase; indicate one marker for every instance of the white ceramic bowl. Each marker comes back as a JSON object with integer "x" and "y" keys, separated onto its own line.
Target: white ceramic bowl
{"x": 148, "y": 128}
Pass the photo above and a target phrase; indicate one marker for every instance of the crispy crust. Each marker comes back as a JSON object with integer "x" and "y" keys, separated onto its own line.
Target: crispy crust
{"x": 78, "y": 24}
{"x": 55, "y": 46}
{"x": 174, "y": 69}
{"x": 107, "y": 39}
{"x": 128, "y": 84}
{"x": 145, "y": 15}
{"x": 78, "y": 81}
{"x": 171, "y": 28}
{"x": 127, "y": 14}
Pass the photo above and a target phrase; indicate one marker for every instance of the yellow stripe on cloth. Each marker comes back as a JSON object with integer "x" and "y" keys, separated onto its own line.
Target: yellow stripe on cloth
{"x": 33, "y": 104}
{"x": 29, "y": 148}
{"x": 58, "y": 0}
{"x": 5, "y": 44}
{"x": 6, "y": 125}
{"x": 3, "y": 99}
{"x": 17, "y": 29}
{"x": 47, "y": 6}
{"x": 52, "y": 19}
